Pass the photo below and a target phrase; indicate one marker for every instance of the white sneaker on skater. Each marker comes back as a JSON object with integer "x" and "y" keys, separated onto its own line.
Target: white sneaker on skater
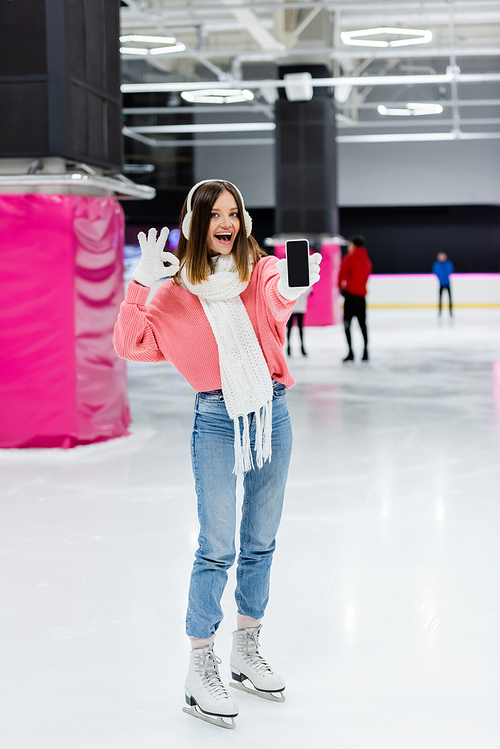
{"x": 250, "y": 671}
{"x": 206, "y": 695}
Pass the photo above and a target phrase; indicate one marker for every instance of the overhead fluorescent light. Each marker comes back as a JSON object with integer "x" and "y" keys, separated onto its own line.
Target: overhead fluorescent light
{"x": 222, "y": 127}
{"x": 218, "y": 96}
{"x": 174, "y": 45}
{"x": 133, "y": 51}
{"x": 362, "y": 38}
{"x": 412, "y": 109}
{"x": 347, "y": 39}
{"x": 424, "y": 39}
{"x": 399, "y": 112}
{"x": 179, "y": 47}
{"x": 418, "y": 108}
{"x": 151, "y": 39}
{"x": 415, "y": 137}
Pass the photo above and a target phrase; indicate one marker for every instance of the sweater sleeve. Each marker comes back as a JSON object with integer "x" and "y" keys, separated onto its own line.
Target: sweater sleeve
{"x": 279, "y": 308}
{"x": 134, "y": 338}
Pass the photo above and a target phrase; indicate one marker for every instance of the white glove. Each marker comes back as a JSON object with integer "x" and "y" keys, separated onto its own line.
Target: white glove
{"x": 293, "y": 292}
{"x": 151, "y": 267}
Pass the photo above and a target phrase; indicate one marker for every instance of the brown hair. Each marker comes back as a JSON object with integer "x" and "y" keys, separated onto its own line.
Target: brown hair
{"x": 194, "y": 254}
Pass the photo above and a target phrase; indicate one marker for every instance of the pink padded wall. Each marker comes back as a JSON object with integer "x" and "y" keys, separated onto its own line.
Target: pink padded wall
{"x": 61, "y": 260}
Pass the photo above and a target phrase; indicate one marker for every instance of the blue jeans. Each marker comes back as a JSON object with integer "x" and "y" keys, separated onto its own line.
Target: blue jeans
{"x": 212, "y": 452}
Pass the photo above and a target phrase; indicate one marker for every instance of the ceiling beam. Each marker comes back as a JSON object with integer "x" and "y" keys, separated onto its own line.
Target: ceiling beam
{"x": 443, "y": 102}
{"x": 368, "y": 80}
{"x": 192, "y": 109}
{"x": 418, "y": 122}
{"x": 420, "y": 10}
{"x": 384, "y": 123}
{"x": 409, "y": 137}
{"x": 295, "y": 34}
{"x": 253, "y": 25}
{"x": 368, "y": 138}
{"x": 357, "y": 53}
{"x": 174, "y": 143}
{"x": 227, "y": 109}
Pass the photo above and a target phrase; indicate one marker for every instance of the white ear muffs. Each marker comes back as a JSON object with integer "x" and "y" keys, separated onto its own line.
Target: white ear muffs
{"x": 186, "y": 223}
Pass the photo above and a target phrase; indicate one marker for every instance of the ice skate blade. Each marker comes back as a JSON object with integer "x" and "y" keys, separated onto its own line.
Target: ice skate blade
{"x": 213, "y": 719}
{"x": 271, "y": 696}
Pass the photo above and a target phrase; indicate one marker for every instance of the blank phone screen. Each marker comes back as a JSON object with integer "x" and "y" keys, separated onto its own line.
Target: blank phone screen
{"x": 297, "y": 259}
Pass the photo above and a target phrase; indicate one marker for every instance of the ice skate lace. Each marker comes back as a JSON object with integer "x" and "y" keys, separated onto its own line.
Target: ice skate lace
{"x": 249, "y": 650}
{"x": 207, "y": 666}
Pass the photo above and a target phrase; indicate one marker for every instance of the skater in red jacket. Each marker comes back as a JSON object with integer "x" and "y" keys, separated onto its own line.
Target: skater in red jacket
{"x": 353, "y": 275}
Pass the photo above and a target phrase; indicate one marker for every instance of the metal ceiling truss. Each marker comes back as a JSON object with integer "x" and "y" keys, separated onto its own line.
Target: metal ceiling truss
{"x": 309, "y": 32}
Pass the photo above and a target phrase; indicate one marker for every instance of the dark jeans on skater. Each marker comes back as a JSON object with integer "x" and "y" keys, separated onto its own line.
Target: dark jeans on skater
{"x": 441, "y": 289}
{"x": 354, "y": 306}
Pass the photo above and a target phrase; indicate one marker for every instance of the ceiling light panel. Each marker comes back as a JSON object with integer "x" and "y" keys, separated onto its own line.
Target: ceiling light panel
{"x": 363, "y": 37}
{"x": 395, "y": 112}
{"x": 149, "y": 39}
{"x": 153, "y": 41}
{"x": 179, "y": 47}
{"x": 418, "y": 108}
{"x": 134, "y": 51}
{"x": 411, "y": 109}
{"x": 217, "y": 96}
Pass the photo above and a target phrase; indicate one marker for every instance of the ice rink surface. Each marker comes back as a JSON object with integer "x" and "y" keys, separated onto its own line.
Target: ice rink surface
{"x": 385, "y": 604}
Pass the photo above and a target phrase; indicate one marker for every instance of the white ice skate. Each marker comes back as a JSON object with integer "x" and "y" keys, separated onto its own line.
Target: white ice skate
{"x": 206, "y": 695}
{"x": 251, "y": 673}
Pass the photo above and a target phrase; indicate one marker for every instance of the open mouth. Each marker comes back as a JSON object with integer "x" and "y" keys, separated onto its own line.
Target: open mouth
{"x": 224, "y": 237}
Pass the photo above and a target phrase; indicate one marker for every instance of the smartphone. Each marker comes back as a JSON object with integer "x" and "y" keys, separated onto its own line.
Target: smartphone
{"x": 297, "y": 262}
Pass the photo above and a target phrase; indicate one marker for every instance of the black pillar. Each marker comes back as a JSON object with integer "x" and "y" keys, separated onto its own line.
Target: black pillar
{"x": 60, "y": 80}
{"x": 306, "y": 194}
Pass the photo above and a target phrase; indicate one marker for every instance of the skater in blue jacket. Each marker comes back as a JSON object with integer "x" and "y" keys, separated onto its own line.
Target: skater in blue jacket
{"x": 443, "y": 268}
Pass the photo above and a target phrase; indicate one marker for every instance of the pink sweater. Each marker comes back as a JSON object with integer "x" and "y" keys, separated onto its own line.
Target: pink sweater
{"x": 174, "y": 328}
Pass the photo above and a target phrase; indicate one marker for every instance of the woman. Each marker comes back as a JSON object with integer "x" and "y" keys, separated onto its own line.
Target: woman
{"x": 221, "y": 322}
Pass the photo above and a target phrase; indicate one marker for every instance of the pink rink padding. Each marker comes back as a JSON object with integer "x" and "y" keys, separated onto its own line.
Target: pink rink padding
{"x": 61, "y": 383}
{"x": 322, "y": 302}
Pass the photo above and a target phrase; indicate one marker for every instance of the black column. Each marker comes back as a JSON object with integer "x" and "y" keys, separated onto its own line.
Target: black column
{"x": 306, "y": 194}
{"x": 60, "y": 80}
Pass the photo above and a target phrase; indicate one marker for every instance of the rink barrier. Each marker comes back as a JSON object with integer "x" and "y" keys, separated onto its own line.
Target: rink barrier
{"x": 421, "y": 291}
{"x": 432, "y": 306}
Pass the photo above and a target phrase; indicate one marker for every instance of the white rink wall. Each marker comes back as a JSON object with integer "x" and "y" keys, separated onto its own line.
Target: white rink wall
{"x": 422, "y": 290}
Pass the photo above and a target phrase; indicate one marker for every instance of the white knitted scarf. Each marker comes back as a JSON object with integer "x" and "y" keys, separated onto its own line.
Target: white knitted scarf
{"x": 246, "y": 382}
